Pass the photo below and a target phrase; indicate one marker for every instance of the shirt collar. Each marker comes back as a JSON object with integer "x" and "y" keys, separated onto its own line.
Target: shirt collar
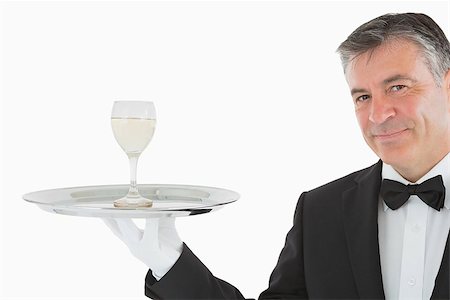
{"x": 441, "y": 168}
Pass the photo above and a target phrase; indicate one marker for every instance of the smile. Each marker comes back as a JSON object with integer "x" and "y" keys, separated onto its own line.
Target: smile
{"x": 390, "y": 135}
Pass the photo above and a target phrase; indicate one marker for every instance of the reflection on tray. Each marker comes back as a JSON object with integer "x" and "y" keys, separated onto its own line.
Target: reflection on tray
{"x": 156, "y": 194}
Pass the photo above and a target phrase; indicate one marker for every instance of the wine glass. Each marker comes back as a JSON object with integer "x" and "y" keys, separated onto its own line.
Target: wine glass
{"x": 133, "y": 124}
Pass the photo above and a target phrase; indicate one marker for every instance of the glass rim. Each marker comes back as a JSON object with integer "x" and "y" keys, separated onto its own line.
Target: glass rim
{"x": 132, "y": 101}
{"x": 133, "y": 109}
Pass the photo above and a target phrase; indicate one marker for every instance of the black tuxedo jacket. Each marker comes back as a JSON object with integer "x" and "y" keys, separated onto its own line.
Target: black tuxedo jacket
{"x": 331, "y": 252}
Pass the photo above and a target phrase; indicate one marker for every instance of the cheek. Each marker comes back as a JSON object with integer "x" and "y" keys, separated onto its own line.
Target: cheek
{"x": 412, "y": 107}
{"x": 426, "y": 114}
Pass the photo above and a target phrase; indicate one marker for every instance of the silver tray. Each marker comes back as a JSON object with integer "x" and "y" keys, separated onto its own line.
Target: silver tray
{"x": 169, "y": 200}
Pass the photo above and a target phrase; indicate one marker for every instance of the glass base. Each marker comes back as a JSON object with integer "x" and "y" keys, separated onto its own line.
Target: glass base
{"x": 133, "y": 202}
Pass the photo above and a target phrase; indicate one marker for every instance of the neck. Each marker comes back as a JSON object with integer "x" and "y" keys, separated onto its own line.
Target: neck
{"x": 419, "y": 170}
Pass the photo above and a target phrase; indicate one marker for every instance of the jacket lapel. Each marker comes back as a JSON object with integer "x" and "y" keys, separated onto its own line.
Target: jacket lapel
{"x": 360, "y": 207}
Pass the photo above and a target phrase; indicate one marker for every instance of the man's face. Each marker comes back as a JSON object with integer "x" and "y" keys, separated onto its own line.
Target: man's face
{"x": 403, "y": 114}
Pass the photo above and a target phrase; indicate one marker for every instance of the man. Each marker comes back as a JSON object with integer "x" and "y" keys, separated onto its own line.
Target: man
{"x": 381, "y": 232}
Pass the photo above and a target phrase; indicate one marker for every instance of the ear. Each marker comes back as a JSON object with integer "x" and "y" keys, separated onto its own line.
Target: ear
{"x": 446, "y": 85}
{"x": 447, "y": 80}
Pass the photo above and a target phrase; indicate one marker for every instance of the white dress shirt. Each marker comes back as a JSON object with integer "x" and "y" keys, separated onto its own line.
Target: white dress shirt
{"x": 412, "y": 239}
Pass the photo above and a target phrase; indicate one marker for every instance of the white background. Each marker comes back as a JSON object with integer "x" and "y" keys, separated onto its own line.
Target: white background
{"x": 250, "y": 96}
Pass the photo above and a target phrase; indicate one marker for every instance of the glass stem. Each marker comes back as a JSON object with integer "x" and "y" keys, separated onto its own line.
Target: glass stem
{"x": 133, "y": 191}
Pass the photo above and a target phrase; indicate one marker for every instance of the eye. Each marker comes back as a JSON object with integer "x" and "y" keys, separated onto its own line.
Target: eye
{"x": 397, "y": 88}
{"x": 362, "y": 98}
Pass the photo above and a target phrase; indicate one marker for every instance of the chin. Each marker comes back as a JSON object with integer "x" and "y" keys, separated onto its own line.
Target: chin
{"x": 395, "y": 157}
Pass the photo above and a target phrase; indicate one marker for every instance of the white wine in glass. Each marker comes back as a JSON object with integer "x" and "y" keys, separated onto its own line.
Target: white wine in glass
{"x": 133, "y": 124}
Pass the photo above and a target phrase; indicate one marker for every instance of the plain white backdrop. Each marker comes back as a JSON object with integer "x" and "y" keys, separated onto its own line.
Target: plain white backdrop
{"x": 250, "y": 96}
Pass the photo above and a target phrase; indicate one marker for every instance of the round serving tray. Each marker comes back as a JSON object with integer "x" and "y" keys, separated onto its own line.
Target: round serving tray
{"x": 169, "y": 200}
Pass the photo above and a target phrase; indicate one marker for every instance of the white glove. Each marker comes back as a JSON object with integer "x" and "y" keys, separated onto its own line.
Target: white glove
{"x": 159, "y": 246}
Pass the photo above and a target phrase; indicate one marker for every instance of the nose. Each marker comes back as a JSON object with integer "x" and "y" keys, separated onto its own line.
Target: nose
{"x": 381, "y": 109}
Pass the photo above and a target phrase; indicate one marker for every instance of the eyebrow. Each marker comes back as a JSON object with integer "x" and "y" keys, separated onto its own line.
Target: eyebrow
{"x": 356, "y": 91}
{"x": 398, "y": 77}
{"x": 385, "y": 82}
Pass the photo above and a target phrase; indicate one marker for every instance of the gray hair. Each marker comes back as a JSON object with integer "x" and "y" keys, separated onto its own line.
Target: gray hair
{"x": 417, "y": 28}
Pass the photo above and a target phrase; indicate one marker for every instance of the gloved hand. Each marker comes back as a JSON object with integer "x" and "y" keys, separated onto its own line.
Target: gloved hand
{"x": 158, "y": 246}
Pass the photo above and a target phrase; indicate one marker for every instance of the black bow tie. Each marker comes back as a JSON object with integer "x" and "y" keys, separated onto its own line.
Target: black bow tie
{"x": 431, "y": 191}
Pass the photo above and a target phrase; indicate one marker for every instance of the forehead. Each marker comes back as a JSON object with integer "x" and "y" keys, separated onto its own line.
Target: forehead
{"x": 392, "y": 58}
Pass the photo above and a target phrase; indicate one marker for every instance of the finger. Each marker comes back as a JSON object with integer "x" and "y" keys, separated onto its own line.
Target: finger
{"x": 168, "y": 234}
{"x": 130, "y": 232}
{"x": 151, "y": 231}
{"x": 112, "y": 224}
{"x": 168, "y": 222}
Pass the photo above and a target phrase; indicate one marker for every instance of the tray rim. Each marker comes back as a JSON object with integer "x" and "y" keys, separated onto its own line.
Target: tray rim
{"x": 89, "y": 211}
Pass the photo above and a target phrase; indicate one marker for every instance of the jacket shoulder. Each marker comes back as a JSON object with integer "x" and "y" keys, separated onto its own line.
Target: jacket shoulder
{"x": 336, "y": 187}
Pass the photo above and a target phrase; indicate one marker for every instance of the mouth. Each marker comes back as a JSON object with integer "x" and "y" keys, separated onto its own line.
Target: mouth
{"x": 389, "y": 135}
